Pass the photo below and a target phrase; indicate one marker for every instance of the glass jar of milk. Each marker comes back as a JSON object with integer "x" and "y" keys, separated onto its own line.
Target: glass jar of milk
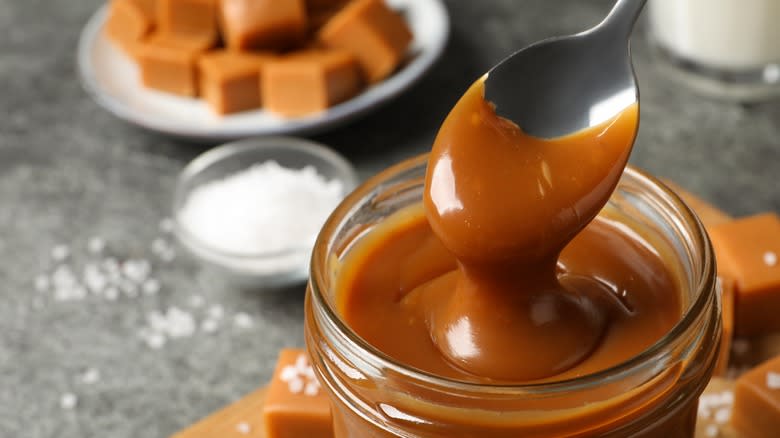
{"x": 725, "y": 48}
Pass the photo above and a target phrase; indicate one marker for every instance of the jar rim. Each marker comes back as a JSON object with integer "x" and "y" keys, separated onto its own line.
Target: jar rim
{"x": 705, "y": 279}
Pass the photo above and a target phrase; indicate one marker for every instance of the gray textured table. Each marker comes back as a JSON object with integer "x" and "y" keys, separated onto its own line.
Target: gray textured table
{"x": 69, "y": 171}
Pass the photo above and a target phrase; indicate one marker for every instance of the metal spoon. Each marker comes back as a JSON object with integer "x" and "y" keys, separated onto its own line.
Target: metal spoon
{"x": 563, "y": 85}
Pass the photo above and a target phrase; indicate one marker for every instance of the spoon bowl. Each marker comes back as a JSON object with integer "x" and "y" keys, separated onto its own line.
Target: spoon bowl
{"x": 562, "y": 85}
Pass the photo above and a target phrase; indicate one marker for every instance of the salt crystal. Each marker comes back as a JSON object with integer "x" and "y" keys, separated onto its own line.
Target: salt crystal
{"x": 209, "y": 326}
{"x": 68, "y": 401}
{"x": 722, "y": 416}
{"x": 301, "y": 363}
{"x": 712, "y": 431}
{"x": 288, "y": 373}
{"x": 155, "y": 341}
{"x": 157, "y": 321}
{"x": 42, "y": 283}
{"x": 311, "y": 389}
{"x": 136, "y": 270}
{"x": 773, "y": 380}
{"x": 287, "y": 209}
{"x": 111, "y": 265}
{"x": 180, "y": 324}
{"x": 60, "y": 253}
{"x": 243, "y": 428}
{"x": 94, "y": 279}
{"x": 770, "y": 258}
{"x": 63, "y": 276}
{"x": 243, "y": 321}
{"x": 216, "y": 311}
{"x": 295, "y": 385}
{"x": 96, "y": 245}
{"x": 151, "y": 286}
{"x": 90, "y": 376}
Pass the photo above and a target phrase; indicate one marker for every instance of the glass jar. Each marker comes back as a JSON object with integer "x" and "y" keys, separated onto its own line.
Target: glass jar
{"x": 723, "y": 48}
{"x": 653, "y": 394}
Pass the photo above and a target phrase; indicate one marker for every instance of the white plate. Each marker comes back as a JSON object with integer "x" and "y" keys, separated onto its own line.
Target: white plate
{"x": 112, "y": 79}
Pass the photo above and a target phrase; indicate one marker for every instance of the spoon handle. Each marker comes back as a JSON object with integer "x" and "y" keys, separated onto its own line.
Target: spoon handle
{"x": 620, "y": 21}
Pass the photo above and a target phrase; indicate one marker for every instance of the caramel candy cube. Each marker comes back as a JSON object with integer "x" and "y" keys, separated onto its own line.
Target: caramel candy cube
{"x": 263, "y": 24}
{"x": 747, "y": 250}
{"x": 310, "y": 81}
{"x": 727, "y": 322}
{"x": 757, "y": 401}
{"x": 169, "y": 64}
{"x": 129, "y": 21}
{"x": 296, "y": 405}
{"x": 240, "y": 419}
{"x": 188, "y": 17}
{"x": 376, "y": 35}
{"x": 230, "y": 81}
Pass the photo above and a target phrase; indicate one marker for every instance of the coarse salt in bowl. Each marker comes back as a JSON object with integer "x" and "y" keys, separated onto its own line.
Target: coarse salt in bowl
{"x": 251, "y": 210}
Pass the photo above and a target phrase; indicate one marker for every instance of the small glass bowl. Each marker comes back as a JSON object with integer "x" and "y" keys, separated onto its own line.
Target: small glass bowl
{"x": 262, "y": 270}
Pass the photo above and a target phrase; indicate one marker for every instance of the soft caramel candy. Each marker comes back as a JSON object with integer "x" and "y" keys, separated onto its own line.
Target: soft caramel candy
{"x": 230, "y": 81}
{"x": 242, "y": 419}
{"x": 296, "y": 405}
{"x": 757, "y": 401}
{"x": 747, "y": 250}
{"x": 376, "y": 35}
{"x": 188, "y": 17}
{"x": 263, "y": 24}
{"x": 308, "y": 82}
{"x": 169, "y": 64}
{"x": 129, "y": 21}
{"x": 727, "y": 316}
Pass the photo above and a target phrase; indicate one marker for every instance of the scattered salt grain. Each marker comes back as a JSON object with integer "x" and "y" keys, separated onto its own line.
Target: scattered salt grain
{"x": 723, "y": 415}
{"x": 243, "y": 428}
{"x": 42, "y": 283}
{"x": 150, "y": 286}
{"x": 770, "y": 258}
{"x": 60, "y": 253}
{"x": 68, "y": 401}
{"x": 96, "y": 245}
{"x": 163, "y": 250}
{"x": 712, "y": 431}
{"x": 773, "y": 380}
{"x": 300, "y": 377}
{"x": 266, "y": 208}
{"x": 155, "y": 341}
{"x": 216, "y": 311}
{"x": 90, "y": 376}
{"x": 311, "y": 389}
{"x": 209, "y": 326}
{"x": 295, "y": 386}
{"x": 243, "y": 321}
{"x": 136, "y": 270}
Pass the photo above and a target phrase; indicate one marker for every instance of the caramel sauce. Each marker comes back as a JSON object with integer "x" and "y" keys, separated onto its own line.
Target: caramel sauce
{"x": 502, "y": 274}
